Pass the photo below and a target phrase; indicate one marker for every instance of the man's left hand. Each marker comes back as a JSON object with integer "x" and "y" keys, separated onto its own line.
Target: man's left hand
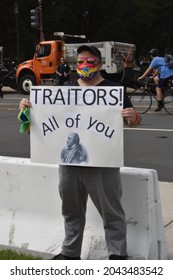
{"x": 131, "y": 117}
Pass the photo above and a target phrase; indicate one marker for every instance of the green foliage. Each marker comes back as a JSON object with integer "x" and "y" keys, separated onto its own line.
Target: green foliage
{"x": 7, "y": 254}
{"x": 147, "y": 23}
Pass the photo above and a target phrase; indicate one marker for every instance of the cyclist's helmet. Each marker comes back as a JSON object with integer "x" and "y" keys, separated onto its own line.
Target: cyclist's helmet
{"x": 154, "y": 52}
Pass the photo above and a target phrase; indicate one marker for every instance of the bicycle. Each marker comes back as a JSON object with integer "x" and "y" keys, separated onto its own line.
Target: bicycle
{"x": 144, "y": 96}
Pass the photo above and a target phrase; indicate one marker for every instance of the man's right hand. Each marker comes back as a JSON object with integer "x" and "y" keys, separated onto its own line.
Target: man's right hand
{"x": 140, "y": 78}
{"x": 24, "y": 103}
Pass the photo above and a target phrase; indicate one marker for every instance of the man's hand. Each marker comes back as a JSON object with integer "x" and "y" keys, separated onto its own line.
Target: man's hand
{"x": 24, "y": 103}
{"x": 131, "y": 117}
{"x": 140, "y": 78}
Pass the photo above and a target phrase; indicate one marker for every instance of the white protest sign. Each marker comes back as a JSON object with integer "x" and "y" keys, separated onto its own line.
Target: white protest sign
{"x": 77, "y": 125}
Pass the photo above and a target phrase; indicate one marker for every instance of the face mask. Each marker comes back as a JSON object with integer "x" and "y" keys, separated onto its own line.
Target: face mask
{"x": 86, "y": 71}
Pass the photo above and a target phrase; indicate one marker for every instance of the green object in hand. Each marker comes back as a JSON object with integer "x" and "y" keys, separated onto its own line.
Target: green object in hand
{"x": 24, "y": 118}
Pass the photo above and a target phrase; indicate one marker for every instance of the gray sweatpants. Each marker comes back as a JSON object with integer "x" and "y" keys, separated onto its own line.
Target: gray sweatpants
{"x": 104, "y": 187}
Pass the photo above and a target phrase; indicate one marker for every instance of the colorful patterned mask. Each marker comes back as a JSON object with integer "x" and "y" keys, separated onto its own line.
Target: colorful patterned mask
{"x": 86, "y": 71}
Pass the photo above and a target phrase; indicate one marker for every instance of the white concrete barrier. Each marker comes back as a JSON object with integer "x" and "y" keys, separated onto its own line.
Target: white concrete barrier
{"x": 30, "y": 212}
{"x": 141, "y": 202}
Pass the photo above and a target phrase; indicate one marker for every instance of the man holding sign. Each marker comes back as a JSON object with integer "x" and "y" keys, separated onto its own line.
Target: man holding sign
{"x": 103, "y": 184}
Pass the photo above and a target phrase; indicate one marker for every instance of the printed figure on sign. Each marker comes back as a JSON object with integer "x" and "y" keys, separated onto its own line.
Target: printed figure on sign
{"x": 74, "y": 152}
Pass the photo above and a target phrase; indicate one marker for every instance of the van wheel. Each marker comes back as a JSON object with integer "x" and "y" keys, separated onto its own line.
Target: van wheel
{"x": 25, "y": 83}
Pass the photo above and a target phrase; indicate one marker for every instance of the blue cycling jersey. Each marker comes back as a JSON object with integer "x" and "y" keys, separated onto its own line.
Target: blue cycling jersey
{"x": 160, "y": 64}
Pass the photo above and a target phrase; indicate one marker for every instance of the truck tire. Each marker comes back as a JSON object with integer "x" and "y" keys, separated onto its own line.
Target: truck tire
{"x": 25, "y": 83}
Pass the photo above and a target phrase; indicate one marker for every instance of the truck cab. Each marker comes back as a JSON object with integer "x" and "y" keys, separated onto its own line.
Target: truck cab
{"x": 42, "y": 67}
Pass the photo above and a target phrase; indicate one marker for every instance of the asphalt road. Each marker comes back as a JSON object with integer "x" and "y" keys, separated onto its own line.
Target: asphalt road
{"x": 148, "y": 146}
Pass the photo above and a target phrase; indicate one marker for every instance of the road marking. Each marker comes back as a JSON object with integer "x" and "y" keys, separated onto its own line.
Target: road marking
{"x": 11, "y": 104}
{"x": 13, "y": 98}
{"x": 9, "y": 109}
{"x": 149, "y": 129}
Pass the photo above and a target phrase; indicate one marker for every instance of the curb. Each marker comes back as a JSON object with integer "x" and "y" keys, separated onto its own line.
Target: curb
{"x": 8, "y": 89}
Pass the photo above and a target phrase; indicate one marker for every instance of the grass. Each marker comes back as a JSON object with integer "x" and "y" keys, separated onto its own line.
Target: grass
{"x": 7, "y": 254}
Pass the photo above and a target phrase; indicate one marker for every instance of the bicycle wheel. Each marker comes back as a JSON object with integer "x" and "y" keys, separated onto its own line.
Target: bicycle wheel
{"x": 141, "y": 100}
{"x": 168, "y": 102}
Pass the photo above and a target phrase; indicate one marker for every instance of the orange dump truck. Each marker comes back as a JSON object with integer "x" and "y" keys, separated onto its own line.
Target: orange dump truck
{"x": 118, "y": 60}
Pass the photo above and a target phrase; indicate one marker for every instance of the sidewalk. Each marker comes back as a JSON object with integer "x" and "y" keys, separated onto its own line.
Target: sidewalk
{"x": 166, "y": 197}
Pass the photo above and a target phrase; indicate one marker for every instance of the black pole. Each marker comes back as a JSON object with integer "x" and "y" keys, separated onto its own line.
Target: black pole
{"x": 16, "y": 12}
{"x": 41, "y": 20}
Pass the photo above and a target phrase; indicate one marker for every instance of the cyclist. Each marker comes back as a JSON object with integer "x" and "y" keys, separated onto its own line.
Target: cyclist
{"x": 163, "y": 74}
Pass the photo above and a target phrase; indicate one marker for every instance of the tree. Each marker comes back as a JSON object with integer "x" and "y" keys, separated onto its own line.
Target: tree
{"x": 144, "y": 23}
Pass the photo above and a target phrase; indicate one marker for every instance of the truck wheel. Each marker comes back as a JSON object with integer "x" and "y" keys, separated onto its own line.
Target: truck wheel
{"x": 25, "y": 83}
